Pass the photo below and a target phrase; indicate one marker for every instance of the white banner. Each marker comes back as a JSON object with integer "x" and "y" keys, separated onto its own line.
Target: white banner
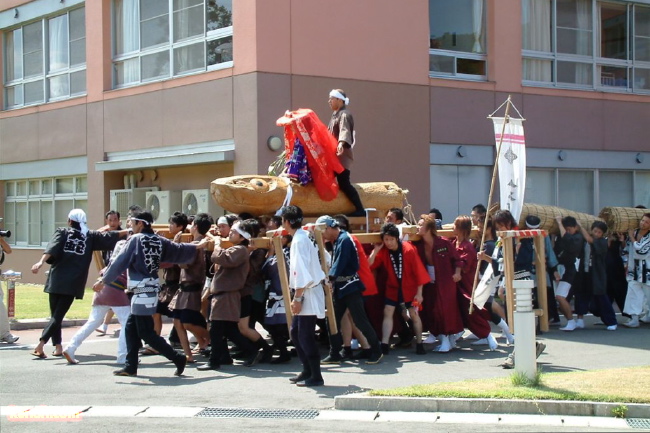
{"x": 511, "y": 164}
{"x": 485, "y": 287}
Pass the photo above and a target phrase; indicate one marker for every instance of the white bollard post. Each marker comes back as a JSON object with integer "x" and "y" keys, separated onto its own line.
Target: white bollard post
{"x": 524, "y": 317}
{"x": 11, "y": 277}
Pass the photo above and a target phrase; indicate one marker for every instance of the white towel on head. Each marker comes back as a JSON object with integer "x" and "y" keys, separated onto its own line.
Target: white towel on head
{"x": 79, "y": 216}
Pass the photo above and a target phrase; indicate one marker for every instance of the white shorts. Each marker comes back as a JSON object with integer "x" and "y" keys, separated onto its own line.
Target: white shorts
{"x": 563, "y": 289}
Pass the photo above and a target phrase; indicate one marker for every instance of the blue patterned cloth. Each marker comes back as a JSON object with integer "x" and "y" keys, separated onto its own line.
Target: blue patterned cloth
{"x": 297, "y": 167}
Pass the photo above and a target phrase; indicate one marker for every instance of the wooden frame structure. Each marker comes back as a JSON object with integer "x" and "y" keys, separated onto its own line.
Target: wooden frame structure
{"x": 509, "y": 273}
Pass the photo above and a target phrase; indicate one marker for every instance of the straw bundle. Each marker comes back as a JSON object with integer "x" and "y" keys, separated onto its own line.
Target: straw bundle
{"x": 621, "y": 219}
{"x": 263, "y": 195}
{"x": 547, "y": 214}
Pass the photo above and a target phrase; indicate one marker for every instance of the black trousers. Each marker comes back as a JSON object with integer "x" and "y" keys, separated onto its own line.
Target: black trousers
{"x": 496, "y": 319}
{"x": 141, "y": 328}
{"x": 59, "y": 306}
{"x": 350, "y": 192}
{"x": 354, "y": 303}
{"x": 258, "y": 312}
{"x": 220, "y": 332}
{"x": 303, "y": 336}
{"x": 280, "y": 335}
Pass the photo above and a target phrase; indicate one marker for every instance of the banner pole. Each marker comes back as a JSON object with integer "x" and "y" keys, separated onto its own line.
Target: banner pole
{"x": 492, "y": 183}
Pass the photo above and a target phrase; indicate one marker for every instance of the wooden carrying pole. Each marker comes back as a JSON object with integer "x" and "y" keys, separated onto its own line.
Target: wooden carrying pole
{"x": 542, "y": 294}
{"x": 284, "y": 279}
{"x": 492, "y": 183}
{"x": 99, "y": 260}
{"x": 329, "y": 302}
{"x": 509, "y": 275}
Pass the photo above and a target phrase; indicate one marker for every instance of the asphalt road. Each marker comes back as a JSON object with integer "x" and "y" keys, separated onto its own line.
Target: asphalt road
{"x": 26, "y": 381}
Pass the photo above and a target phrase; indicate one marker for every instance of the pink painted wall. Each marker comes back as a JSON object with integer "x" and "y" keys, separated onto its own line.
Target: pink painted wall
{"x": 98, "y": 48}
{"x": 377, "y": 40}
{"x": 504, "y": 45}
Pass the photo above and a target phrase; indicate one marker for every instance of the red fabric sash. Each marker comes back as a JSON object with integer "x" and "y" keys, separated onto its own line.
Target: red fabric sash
{"x": 320, "y": 146}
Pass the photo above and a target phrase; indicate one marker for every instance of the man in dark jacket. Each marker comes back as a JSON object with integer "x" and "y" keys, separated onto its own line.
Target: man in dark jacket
{"x": 568, "y": 247}
{"x": 348, "y": 289}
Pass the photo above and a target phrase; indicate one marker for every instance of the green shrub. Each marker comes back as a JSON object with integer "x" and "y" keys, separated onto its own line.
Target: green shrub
{"x": 620, "y": 411}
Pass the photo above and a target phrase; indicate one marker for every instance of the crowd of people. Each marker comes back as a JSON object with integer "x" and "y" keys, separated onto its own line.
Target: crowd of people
{"x": 396, "y": 293}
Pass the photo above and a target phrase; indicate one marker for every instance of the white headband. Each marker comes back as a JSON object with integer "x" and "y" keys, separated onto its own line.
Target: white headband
{"x": 336, "y": 94}
{"x": 141, "y": 220}
{"x": 241, "y": 231}
{"x": 222, "y": 220}
{"x": 79, "y": 216}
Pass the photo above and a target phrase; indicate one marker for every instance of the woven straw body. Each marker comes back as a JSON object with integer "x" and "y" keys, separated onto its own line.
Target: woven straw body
{"x": 621, "y": 219}
{"x": 264, "y": 195}
{"x": 547, "y": 216}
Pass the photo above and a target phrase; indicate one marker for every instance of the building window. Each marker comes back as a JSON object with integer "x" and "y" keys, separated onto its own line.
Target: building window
{"x": 45, "y": 60}
{"x": 586, "y": 44}
{"x": 34, "y": 208}
{"x": 457, "y": 42}
{"x": 587, "y": 191}
{"x": 159, "y": 39}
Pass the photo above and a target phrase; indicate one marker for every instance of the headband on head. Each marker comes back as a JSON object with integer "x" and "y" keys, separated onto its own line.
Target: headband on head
{"x": 140, "y": 219}
{"x": 336, "y": 94}
{"x": 79, "y": 216}
{"x": 236, "y": 227}
{"x": 222, "y": 220}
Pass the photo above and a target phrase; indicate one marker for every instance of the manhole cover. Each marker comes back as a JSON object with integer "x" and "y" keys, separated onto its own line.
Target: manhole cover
{"x": 222, "y": 412}
{"x": 643, "y": 423}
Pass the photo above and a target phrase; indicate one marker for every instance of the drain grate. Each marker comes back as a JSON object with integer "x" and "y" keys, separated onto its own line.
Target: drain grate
{"x": 643, "y": 423}
{"x": 224, "y": 412}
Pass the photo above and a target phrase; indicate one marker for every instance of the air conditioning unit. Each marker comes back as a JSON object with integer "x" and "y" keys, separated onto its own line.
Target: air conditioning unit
{"x": 122, "y": 199}
{"x": 162, "y": 204}
{"x": 200, "y": 201}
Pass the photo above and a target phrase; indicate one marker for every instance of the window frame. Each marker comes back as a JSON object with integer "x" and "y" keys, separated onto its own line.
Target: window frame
{"x": 462, "y": 55}
{"x": 596, "y": 61}
{"x": 171, "y": 46}
{"x": 597, "y": 200}
{"x": 45, "y": 75}
{"x": 42, "y": 231}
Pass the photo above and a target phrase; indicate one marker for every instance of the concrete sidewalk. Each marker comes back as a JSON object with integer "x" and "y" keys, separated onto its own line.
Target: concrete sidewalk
{"x": 365, "y": 402}
{"x": 37, "y": 413}
{"x": 25, "y": 324}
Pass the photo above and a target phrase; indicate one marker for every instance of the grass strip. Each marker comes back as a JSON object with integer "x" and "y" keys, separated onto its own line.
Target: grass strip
{"x": 620, "y": 385}
{"x": 33, "y": 303}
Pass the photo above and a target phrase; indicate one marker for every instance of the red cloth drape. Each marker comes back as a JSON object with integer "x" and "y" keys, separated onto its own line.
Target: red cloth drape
{"x": 320, "y": 146}
{"x": 365, "y": 274}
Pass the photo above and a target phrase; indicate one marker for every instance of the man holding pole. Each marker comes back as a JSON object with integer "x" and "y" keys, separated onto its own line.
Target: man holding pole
{"x": 348, "y": 288}
{"x": 308, "y": 304}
